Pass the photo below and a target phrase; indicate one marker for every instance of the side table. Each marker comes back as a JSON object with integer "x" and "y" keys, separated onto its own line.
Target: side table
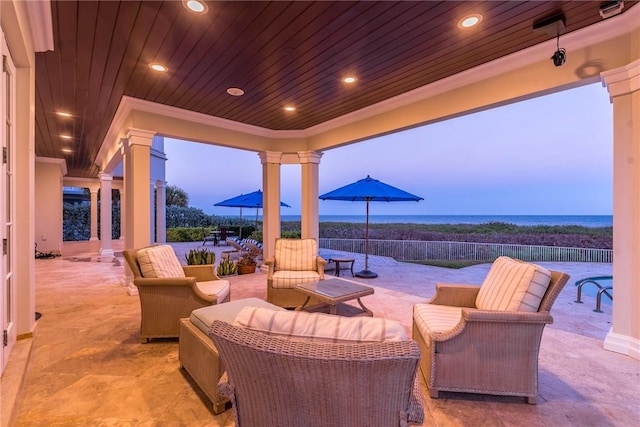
{"x": 344, "y": 260}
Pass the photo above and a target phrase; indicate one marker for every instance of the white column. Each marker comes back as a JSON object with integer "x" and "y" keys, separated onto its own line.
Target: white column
{"x": 152, "y": 211}
{"x": 161, "y": 212}
{"x": 137, "y": 196}
{"x": 623, "y": 85}
{"x": 106, "y": 246}
{"x": 270, "y": 200}
{"x": 310, "y": 161}
{"x": 94, "y": 214}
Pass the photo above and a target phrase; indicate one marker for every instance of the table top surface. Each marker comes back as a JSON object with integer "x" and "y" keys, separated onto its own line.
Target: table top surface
{"x": 341, "y": 259}
{"x": 334, "y": 290}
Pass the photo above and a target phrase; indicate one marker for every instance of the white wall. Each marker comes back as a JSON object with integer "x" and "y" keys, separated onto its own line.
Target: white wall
{"x": 48, "y": 196}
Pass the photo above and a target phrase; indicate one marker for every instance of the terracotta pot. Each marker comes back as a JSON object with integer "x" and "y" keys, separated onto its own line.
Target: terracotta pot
{"x": 246, "y": 269}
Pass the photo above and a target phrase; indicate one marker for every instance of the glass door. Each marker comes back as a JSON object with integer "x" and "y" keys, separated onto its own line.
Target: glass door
{"x": 7, "y": 136}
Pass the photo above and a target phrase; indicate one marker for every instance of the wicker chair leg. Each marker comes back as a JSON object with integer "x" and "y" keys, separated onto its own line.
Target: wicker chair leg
{"x": 532, "y": 400}
{"x": 433, "y": 393}
{"x": 144, "y": 340}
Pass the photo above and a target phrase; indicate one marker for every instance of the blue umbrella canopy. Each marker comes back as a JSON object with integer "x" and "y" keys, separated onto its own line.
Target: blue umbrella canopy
{"x": 369, "y": 190}
{"x": 249, "y": 200}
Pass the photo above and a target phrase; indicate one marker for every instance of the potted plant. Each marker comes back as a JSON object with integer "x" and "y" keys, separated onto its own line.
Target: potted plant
{"x": 200, "y": 256}
{"x": 227, "y": 268}
{"x": 246, "y": 264}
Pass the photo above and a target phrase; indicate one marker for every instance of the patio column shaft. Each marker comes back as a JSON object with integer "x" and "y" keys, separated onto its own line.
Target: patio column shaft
{"x": 161, "y": 212}
{"x": 106, "y": 246}
{"x": 94, "y": 214}
{"x": 271, "y": 161}
{"x": 137, "y": 169}
{"x": 152, "y": 211}
{"x": 623, "y": 85}
{"x": 310, "y": 161}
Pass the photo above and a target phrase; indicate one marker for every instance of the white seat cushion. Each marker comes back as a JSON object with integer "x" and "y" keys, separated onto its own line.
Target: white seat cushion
{"x": 159, "y": 262}
{"x": 288, "y": 279}
{"x": 319, "y": 326}
{"x": 203, "y": 317}
{"x": 220, "y": 288}
{"x": 513, "y": 285}
{"x": 434, "y": 319}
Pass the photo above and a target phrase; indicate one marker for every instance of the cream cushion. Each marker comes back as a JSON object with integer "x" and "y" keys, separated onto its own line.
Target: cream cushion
{"x": 513, "y": 285}
{"x": 219, "y": 288}
{"x": 288, "y": 279}
{"x": 320, "y": 326}
{"x": 203, "y": 317}
{"x": 159, "y": 262}
{"x": 433, "y": 319}
{"x": 296, "y": 254}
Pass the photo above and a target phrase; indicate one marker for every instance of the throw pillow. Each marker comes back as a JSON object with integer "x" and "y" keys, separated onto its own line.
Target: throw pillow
{"x": 319, "y": 326}
{"x": 513, "y": 285}
{"x": 159, "y": 262}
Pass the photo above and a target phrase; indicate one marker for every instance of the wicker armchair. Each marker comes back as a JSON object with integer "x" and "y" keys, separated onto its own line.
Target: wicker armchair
{"x": 164, "y": 301}
{"x": 296, "y": 261}
{"x": 274, "y": 381}
{"x": 482, "y": 351}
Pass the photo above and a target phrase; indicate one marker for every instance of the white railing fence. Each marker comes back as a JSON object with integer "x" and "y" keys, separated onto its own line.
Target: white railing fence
{"x": 416, "y": 250}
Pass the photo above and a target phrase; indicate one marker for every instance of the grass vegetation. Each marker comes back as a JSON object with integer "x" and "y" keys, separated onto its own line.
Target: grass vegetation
{"x": 573, "y": 236}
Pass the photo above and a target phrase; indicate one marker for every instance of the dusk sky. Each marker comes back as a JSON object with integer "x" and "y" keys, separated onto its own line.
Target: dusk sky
{"x": 551, "y": 155}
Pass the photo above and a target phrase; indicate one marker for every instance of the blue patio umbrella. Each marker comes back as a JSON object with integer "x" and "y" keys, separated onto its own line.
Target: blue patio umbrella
{"x": 369, "y": 190}
{"x": 249, "y": 200}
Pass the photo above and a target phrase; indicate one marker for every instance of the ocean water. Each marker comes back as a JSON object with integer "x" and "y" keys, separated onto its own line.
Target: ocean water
{"x": 583, "y": 220}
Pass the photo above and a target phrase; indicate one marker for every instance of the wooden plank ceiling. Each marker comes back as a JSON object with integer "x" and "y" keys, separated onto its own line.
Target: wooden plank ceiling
{"x": 278, "y": 52}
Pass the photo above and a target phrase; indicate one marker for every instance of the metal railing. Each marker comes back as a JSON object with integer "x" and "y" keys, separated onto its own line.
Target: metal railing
{"x": 416, "y": 250}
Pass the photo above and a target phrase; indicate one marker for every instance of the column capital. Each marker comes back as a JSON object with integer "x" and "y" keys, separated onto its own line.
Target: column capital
{"x": 139, "y": 137}
{"x": 310, "y": 156}
{"x": 103, "y": 176}
{"x": 622, "y": 80}
{"x": 93, "y": 190}
{"x": 270, "y": 157}
{"x": 161, "y": 184}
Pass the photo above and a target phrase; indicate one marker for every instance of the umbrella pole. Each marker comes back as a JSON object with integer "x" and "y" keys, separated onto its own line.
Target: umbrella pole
{"x": 240, "y": 232}
{"x": 366, "y": 273}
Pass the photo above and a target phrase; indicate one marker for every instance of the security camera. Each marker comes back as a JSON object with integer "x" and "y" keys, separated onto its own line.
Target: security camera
{"x": 559, "y": 57}
{"x": 610, "y": 9}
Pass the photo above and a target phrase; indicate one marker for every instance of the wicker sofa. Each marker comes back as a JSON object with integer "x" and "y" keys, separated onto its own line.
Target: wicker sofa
{"x": 481, "y": 339}
{"x": 274, "y": 380}
{"x": 170, "y": 291}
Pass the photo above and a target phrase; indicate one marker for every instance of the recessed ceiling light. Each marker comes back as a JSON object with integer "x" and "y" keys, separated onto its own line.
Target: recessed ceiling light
{"x": 195, "y": 6}
{"x": 67, "y": 150}
{"x": 158, "y": 67}
{"x": 66, "y": 137}
{"x": 63, "y": 114}
{"x": 349, "y": 79}
{"x": 235, "y": 91}
{"x": 470, "y": 21}
{"x": 289, "y": 108}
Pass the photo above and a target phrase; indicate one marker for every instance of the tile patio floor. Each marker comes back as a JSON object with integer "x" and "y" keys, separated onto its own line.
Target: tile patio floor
{"x": 86, "y": 367}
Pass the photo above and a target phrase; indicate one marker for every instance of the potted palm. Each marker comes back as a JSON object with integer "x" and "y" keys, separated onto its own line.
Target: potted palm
{"x": 246, "y": 264}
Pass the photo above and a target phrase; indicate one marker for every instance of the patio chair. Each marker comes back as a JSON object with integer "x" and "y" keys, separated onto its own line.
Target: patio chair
{"x": 296, "y": 261}
{"x": 486, "y": 339}
{"x": 254, "y": 246}
{"x": 170, "y": 291}
{"x": 275, "y": 381}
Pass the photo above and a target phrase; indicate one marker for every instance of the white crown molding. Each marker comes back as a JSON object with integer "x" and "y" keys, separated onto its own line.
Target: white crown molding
{"x": 41, "y": 24}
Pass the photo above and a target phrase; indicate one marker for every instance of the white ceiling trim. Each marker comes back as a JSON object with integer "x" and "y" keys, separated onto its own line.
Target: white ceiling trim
{"x": 41, "y": 24}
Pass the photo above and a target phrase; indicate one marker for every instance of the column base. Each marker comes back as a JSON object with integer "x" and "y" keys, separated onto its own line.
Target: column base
{"x": 622, "y": 344}
{"x": 93, "y": 239}
{"x": 107, "y": 253}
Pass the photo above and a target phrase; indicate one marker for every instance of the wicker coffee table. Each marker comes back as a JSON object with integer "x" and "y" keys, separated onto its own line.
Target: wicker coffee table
{"x": 332, "y": 294}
